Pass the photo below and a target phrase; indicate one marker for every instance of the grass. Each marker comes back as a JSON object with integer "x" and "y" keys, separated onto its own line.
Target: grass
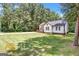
{"x": 16, "y": 38}
{"x": 42, "y": 44}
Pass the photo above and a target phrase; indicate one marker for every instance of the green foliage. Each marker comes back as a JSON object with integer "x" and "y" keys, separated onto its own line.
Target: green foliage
{"x": 71, "y": 12}
{"x": 40, "y": 46}
{"x": 25, "y": 17}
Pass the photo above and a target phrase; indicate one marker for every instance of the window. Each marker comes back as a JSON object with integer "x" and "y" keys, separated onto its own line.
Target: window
{"x": 47, "y": 28}
{"x": 58, "y": 28}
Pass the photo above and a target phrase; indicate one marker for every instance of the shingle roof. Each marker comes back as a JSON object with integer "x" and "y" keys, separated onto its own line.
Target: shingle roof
{"x": 57, "y": 22}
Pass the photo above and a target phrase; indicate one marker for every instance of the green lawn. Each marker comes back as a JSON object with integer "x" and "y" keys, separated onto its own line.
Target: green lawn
{"x": 16, "y": 38}
{"x": 41, "y": 43}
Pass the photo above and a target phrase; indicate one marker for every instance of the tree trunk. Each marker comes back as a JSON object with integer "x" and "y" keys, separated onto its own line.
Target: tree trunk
{"x": 76, "y": 33}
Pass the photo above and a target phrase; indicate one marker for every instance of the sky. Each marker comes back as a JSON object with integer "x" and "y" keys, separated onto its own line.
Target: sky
{"x": 54, "y": 7}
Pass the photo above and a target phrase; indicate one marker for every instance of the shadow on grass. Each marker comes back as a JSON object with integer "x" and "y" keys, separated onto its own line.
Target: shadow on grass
{"x": 50, "y": 45}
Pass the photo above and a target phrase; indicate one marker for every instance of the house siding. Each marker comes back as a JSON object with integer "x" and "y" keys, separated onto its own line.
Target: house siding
{"x": 58, "y": 31}
{"x": 41, "y": 27}
{"x": 62, "y": 27}
{"x": 66, "y": 27}
{"x": 50, "y": 28}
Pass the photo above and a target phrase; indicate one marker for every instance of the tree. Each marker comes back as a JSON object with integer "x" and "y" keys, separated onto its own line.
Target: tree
{"x": 71, "y": 11}
{"x": 7, "y": 16}
{"x": 25, "y": 17}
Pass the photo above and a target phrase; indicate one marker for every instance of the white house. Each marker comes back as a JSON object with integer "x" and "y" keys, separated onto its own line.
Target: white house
{"x": 58, "y": 26}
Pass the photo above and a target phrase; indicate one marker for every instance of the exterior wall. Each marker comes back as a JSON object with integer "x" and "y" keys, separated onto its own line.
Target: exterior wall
{"x": 66, "y": 27}
{"x": 58, "y": 31}
{"x": 41, "y": 28}
{"x": 50, "y": 28}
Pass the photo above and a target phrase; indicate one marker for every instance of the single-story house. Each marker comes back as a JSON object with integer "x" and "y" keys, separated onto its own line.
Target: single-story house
{"x": 58, "y": 26}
